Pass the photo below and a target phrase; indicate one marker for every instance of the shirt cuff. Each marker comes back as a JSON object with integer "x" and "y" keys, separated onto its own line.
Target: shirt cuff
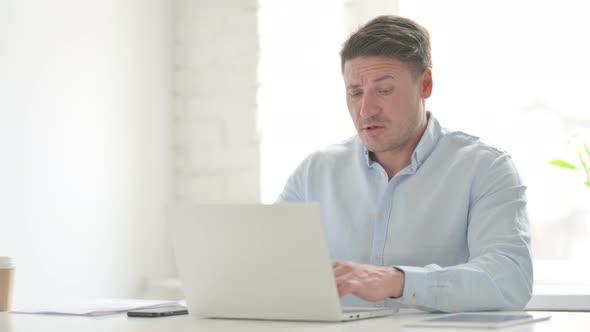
{"x": 415, "y": 286}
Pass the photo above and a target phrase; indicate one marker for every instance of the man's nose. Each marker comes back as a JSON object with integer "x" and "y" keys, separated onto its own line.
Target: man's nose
{"x": 369, "y": 106}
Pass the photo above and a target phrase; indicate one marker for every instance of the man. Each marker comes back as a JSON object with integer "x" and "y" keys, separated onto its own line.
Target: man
{"x": 415, "y": 215}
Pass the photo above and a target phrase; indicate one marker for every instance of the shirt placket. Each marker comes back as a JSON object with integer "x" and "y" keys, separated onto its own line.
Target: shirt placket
{"x": 381, "y": 216}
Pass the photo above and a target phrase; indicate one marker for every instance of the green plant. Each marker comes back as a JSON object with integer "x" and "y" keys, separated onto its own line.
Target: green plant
{"x": 583, "y": 152}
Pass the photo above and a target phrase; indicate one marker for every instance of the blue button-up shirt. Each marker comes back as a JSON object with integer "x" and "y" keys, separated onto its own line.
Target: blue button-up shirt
{"x": 454, "y": 220}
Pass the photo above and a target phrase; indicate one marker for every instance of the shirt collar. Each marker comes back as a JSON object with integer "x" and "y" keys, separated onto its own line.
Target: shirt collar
{"x": 424, "y": 147}
{"x": 427, "y": 142}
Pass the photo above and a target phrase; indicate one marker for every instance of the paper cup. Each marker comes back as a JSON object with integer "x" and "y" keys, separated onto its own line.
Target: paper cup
{"x": 7, "y": 271}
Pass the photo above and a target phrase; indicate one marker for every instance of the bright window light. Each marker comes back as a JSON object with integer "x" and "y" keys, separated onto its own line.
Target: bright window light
{"x": 511, "y": 72}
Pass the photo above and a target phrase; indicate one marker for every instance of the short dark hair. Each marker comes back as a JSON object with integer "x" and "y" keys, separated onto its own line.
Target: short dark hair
{"x": 393, "y": 37}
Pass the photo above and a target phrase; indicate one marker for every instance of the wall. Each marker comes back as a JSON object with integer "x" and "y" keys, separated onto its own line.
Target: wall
{"x": 216, "y": 144}
{"x": 85, "y": 161}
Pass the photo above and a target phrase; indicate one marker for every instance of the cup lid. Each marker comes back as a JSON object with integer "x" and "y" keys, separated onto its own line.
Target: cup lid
{"x": 5, "y": 261}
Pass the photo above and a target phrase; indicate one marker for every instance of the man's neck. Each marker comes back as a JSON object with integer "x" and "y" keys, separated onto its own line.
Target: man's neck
{"x": 394, "y": 161}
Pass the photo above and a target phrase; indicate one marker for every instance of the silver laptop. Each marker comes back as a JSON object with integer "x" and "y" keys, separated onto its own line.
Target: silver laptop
{"x": 258, "y": 262}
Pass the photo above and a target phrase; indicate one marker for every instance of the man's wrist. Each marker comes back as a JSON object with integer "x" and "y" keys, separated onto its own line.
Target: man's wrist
{"x": 398, "y": 281}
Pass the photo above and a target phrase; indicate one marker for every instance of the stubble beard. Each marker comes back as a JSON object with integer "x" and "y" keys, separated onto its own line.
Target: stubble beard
{"x": 394, "y": 144}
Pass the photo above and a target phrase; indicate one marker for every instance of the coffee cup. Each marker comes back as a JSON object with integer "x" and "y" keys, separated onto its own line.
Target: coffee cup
{"x": 7, "y": 271}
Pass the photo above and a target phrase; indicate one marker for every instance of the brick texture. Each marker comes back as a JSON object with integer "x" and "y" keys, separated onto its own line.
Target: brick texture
{"x": 216, "y": 144}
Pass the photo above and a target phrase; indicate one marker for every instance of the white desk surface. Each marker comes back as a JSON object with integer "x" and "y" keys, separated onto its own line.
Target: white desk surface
{"x": 560, "y": 321}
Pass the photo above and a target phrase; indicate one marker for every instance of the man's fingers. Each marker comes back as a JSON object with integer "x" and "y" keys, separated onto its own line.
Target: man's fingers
{"x": 346, "y": 287}
{"x": 342, "y": 267}
{"x": 347, "y": 276}
{"x": 339, "y": 271}
{"x": 338, "y": 264}
{"x": 343, "y": 278}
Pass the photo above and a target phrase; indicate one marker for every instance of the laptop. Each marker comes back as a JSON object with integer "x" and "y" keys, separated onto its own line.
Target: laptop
{"x": 250, "y": 261}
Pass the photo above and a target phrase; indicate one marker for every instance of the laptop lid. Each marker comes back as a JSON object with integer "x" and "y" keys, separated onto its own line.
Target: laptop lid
{"x": 255, "y": 261}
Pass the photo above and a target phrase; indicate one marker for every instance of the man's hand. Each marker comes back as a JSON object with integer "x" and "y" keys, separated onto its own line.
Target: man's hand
{"x": 370, "y": 283}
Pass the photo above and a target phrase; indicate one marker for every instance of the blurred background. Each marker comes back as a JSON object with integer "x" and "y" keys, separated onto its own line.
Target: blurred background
{"x": 112, "y": 110}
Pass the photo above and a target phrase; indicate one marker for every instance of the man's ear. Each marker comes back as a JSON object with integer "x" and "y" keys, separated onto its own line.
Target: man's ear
{"x": 426, "y": 83}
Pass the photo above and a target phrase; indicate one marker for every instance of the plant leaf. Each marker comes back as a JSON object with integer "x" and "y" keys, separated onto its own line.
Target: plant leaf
{"x": 581, "y": 157}
{"x": 563, "y": 164}
{"x": 587, "y": 148}
{"x": 587, "y": 183}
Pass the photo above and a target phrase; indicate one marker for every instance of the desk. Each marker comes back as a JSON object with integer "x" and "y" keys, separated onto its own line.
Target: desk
{"x": 560, "y": 321}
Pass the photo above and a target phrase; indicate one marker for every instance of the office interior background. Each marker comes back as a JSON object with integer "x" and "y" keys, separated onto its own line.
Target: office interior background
{"x": 112, "y": 110}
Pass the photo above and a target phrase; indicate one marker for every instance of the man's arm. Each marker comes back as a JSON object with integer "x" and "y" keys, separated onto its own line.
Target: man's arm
{"x": 294, "y": 190}
{"x": 499, "y": 274}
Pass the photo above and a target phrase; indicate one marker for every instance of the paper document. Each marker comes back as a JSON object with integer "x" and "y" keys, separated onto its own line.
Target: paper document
{"x": 96, "y": 307}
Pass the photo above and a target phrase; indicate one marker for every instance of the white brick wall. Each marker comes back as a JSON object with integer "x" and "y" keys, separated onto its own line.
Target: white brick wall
{"x": 216, "y": 50}
{"x": 216, "y": 144}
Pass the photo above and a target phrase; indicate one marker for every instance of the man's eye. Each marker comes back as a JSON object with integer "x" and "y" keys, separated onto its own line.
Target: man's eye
{"x": 355, "y": 93}
{"x": 386, "y": 92}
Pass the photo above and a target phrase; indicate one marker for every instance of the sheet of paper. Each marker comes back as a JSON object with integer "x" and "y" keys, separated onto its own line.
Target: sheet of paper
{"x": 96, "y": 307}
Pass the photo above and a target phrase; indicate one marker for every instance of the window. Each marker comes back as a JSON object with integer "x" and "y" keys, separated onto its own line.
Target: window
{"x": 515, "y": 73}
{"x": 511, "y": 72}
{"x": 301, "y": 98}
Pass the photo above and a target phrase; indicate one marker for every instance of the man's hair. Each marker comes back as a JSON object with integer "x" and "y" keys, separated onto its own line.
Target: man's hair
{"x": 392, "y": 37}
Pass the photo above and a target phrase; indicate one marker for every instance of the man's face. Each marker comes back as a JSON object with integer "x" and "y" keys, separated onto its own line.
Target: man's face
{"x": 385, "y": 100}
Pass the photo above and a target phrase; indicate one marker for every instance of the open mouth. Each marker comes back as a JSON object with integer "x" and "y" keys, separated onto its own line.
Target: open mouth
{"x": 372, "y": 128}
